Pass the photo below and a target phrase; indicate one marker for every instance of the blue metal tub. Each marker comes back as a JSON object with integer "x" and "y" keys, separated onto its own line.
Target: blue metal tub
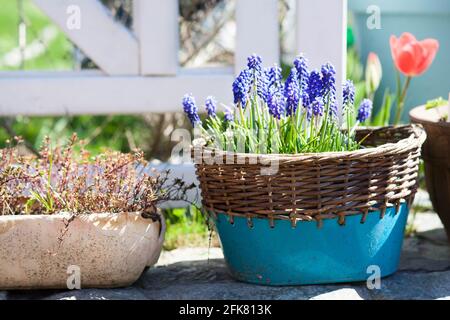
{"x": 284, "y": 255}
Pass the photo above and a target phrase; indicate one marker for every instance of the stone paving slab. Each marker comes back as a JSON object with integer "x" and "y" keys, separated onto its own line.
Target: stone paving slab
{"x": 201, "y": 273}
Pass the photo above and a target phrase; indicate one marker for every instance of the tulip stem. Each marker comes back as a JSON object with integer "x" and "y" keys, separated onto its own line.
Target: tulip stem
{"x": 401, "y": 100}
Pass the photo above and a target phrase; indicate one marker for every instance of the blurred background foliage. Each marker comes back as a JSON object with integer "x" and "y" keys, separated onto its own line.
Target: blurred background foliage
{"x": 30, "y": 41}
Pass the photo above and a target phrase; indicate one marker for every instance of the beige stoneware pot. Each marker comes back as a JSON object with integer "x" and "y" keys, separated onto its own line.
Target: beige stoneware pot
{"x": 102, "y": 250}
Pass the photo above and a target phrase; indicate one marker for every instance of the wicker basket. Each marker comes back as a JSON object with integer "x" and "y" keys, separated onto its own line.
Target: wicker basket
{"x": 314, "y": 188}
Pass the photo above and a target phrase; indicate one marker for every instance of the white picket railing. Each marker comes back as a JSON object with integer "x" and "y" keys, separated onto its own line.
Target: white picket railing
{"x": 139, "y": 69}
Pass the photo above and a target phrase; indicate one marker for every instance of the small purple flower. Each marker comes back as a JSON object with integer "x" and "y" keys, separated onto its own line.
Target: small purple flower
{"x": 333, "y": 109}
{"x": 329, "y": 87}
{"x": 257, "y": 76}
{"x": 301, "y": 64}
{"x": 305, "y": 99}
{"x": 211, "y": 106}
{"x": 241, "y": 87}
{"x": 254, "y": 62}
{"x": 315, "y": 85}
{"x": 348, "y": 93}
{"x": 262, "y": 85}
{"x": 364, "y": 110}
{"x": 328, "y": 78}
{"x": 276, "y": 104}
{"x": 274, "y": 77}
{"x": 228, "y": 114}
{"x": 274, "y": 83}
{"x": 306, "y": 102}
{"x": 292, "y": 92}
{"x": 317, "y": 107}
{"x": 190, "y": 108}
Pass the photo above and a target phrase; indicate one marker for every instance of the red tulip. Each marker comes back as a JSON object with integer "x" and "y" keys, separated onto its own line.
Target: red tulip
{"x": 412, "y": 57}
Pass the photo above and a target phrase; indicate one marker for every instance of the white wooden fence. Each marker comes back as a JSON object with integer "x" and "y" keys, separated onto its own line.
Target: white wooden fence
{"x": 139, "y": 69}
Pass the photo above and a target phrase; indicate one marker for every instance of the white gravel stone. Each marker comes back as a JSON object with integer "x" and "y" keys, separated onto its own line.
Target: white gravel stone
{"x": 341, "y": 294}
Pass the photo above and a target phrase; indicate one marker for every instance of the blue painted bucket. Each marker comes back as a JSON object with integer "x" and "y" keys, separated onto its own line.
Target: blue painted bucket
{"x": 306, "y": 254}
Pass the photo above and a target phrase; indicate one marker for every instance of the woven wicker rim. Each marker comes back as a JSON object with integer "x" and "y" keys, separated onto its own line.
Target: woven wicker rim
{"x": 416, "y": 138}
{"x": 316, "y": 186}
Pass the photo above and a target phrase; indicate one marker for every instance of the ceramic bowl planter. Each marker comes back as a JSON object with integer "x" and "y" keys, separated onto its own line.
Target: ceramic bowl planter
{"x": 436, "y": 155}
{"x": 108, "y": 249}
{"x": 319, "y": 218}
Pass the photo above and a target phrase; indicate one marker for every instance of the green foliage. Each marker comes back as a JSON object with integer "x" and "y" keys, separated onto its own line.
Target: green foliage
{"x": 100, "y": 132}
{"x": 185, "y": 227}
{"x": 434, "y": 103}
{"x": 58, "y": 52}
{"x": 355, "y": 72}
{"x": 382, "y": 118}
{"x": 256, "y": 131}
{"x": 48, "y": 196}
{"x": 350, "y": 37}
{"x": 355, "y": 69}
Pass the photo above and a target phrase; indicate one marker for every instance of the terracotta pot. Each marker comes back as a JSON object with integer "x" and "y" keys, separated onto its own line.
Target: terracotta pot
{"x": 104, "y": 249}
{"x": 436, "y": 155}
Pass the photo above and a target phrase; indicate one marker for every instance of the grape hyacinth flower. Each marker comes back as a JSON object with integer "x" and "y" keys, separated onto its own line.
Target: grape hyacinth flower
{"x": 348, "y": 93}
{"x": 254, "y": 62}
{"x": 364, "y": 110}
{"x": 258, "y": 76}
{"x": 211, "y": 106}
{"x": 305, "y": 99}
{"x": 317, "y": 107}
{"x": 301, "y": 65}
{"x": 329, "y": 87}
{"x": 328, "y": 79}
{"x": 292, "y": 92}
{"x": 228, "y": 114}
{"x": 306, "y": 102}
{"x": 190, "y": 108}
{"x": 315, "y": 85}
{"x": 276, "y": 104}
{"x": 333, "y": 109}
{"x": 262, "y": 85}
{"x": 274, "y": 77}
{"x": 241, "y": 87}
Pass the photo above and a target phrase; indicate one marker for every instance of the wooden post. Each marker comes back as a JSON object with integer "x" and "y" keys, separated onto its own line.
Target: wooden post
{"x": 322, "y": 35}
{"x": 257, "y": 31}
{"x": 108, "y": 43}
{"x": 157, "y": 29}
